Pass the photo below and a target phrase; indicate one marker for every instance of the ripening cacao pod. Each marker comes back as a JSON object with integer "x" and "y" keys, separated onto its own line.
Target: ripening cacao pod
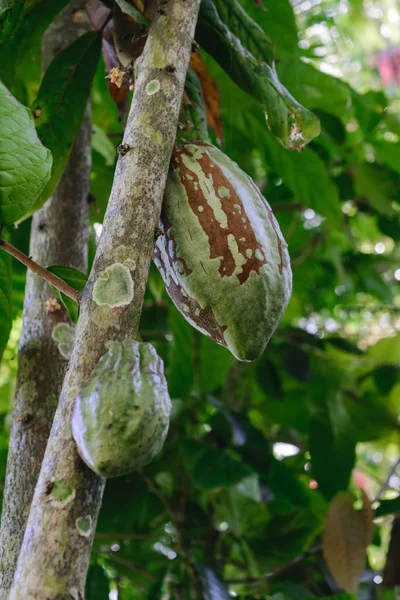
{"x": 222, "y": 255}
{"x": 121, "y": 415}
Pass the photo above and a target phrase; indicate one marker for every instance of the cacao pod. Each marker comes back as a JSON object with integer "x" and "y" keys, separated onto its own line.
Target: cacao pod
{"x": 222, "y": 255}
{"x": 121, "y": 415}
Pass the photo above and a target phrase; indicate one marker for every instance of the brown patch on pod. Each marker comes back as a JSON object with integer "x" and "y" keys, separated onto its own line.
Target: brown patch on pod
{"x": 238, "y": 225}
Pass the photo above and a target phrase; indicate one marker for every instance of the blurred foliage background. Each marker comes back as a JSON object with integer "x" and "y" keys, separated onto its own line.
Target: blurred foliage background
{"x": 256, "y": 452}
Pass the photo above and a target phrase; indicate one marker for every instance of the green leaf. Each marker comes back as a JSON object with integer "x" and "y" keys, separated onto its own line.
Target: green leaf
{"x": 133, "y": 12}
{"x": 180, "y": 377}
{"x": 372, "y": 183}
{"x": 306, "y": 175}
{"x": 25, "y": 164}
{"x": 10, "y": 16}
{"x": 245, "y": 52}
{"x": 101, "y": 143}
{"x": 286, "y": 537}
{"x": 215, "y": 362}
{"x": 389, "y": 154}
{"x": 61, "y": 102}
{"x": 5, "y": 299}
{"x": 213, "y": 587}
{"x": 388, "y": 507}
{"x": 278, "y": 21}
{"x": 314, "y": 89}
{"x": 385, "y": 350}
{"x": 211, "y": 468}
{"x": 75, "y": 279}
{"x": 16, "y": 52}
{"x": 332, "y": 446}
{"x": 97, "y": 584}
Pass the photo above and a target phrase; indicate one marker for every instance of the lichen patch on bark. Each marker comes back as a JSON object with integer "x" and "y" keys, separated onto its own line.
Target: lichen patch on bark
{"x": 114, "y": 287}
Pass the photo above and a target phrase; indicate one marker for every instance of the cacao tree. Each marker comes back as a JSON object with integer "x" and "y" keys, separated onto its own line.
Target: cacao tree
{"x": 199, "y": 301}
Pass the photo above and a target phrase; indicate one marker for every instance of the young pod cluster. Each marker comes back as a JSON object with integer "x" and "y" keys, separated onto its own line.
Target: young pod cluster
{"x": 222, "y": 255}
{"x": 121, "y": 415}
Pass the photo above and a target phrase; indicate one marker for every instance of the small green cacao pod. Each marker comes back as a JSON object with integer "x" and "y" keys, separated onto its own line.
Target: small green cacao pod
{"x": 222, "y": 255}
{"x": 121, "y": 415}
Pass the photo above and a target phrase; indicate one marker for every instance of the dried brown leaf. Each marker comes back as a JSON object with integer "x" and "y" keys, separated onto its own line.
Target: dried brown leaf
{"x": 345, "y": 542}
{"x": 211, "y": 95}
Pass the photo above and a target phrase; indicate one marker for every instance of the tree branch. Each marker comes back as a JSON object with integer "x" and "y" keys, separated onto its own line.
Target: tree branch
{"x": 56, "y": 548}
{"x": 53, "y": 280}
{"x": 126, "y": 563}
{"x": 59, "y": 235}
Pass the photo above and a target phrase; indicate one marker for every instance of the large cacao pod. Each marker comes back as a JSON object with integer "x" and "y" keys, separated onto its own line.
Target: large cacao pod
{"x": 222, "y": 255}
{"x": 121, "y": 415}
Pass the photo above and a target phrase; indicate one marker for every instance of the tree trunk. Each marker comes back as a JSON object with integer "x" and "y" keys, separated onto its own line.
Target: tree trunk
{"x": 56, "y": 548}
{"x": 59, "y": 235}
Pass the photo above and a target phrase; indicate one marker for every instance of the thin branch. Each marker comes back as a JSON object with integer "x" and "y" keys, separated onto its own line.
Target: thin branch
{"x": 276, "y": 572}
{"x": 126, "y": 563}
{"x": 126, "y": 536}
{"x": 53, "y": 280}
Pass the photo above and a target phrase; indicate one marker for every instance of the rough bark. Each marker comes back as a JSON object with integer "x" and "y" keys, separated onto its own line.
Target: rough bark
{"x": 59, "y": 235}
{"x": 59, "y": 534}
{"x": 391, "y": 573}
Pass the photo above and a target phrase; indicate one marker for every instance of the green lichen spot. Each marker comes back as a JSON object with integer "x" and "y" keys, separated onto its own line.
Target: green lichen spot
{"x": 186, "y": 308}
{"x": 60, "y": 491}
{"x": 153, "y": 87}
{"x": 84, "y": 525}
{"x": 223, "y": 192}
{"x": 64, "y": 335}
{"x": 114, "y": 287}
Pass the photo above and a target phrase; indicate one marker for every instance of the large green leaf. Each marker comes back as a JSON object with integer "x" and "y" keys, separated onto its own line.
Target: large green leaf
{"x": 5, "y": 299}
{"x": 286, "y": 537}
{"x": 388, "y": 507}
{"x": 307, "y": 176}
{"x": 332, "y": 446}
{"x": 180, "y": 376}
{"x": 215, "y": 362}
{"x": 314, "y": 89}
{"x": 389, "y": 154}
{"x": 278, "y": 21}
{"x": 25, "y": 164}
{"x": 61, "y": 102}
{"x": 372, "y": 183}
{"x": 211, "y": 468}
{"x": 97, "y": 585}
{"x": 245, "y": 52}
{"x": 10, "y": 16}
{"x": 24, "y": 43}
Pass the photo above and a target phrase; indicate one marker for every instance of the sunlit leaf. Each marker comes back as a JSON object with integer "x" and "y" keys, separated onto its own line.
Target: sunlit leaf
{"x": 25, "y": 163}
